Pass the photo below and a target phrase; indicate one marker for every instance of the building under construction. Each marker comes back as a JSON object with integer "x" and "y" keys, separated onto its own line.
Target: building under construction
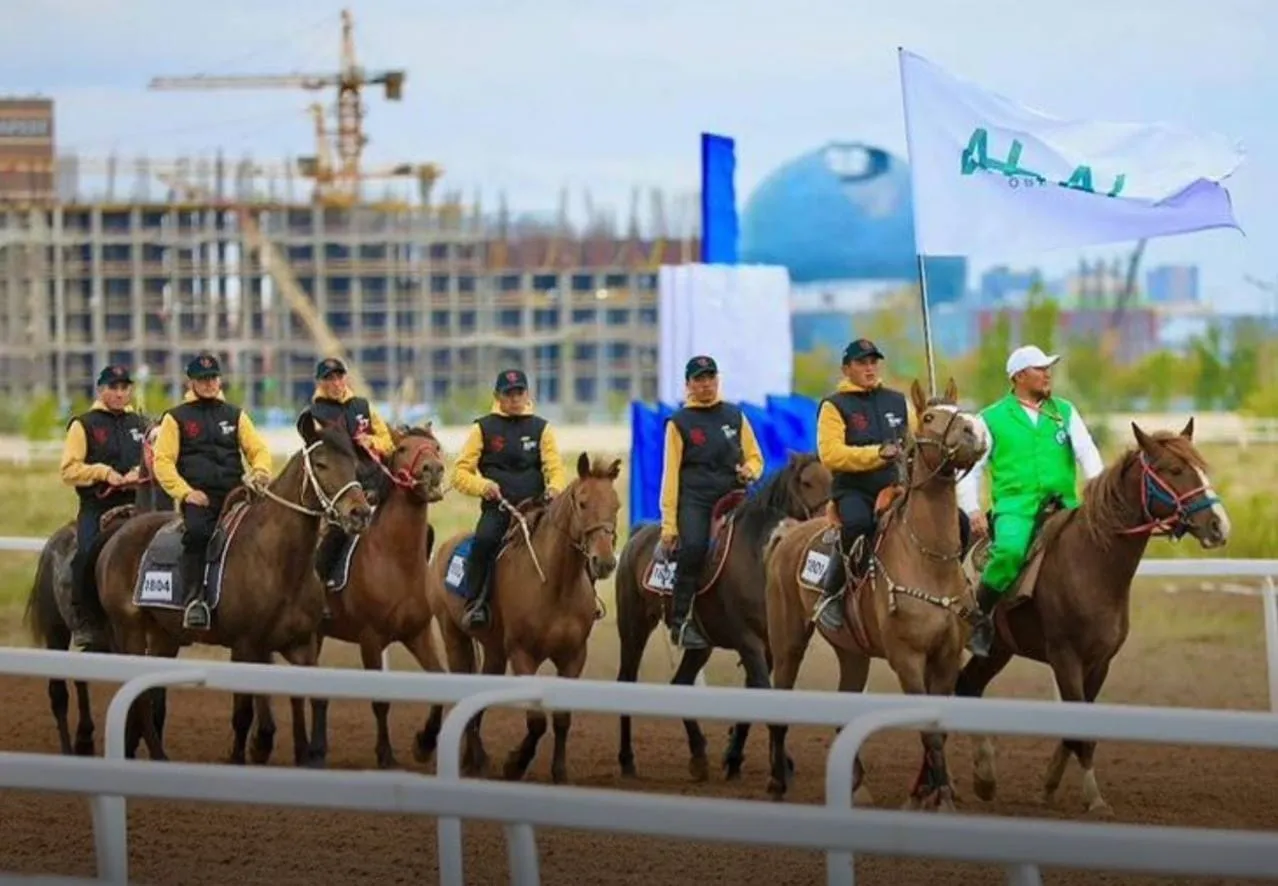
{"x": 425, "y": 298}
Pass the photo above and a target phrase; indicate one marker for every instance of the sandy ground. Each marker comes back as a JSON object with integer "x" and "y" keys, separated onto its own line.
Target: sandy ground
{"x": 1196, "y": 664}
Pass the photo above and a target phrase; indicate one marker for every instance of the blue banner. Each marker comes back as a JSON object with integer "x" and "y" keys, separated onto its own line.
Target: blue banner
{"x": 719, "y": 224}
{"x": 783, "y": 425}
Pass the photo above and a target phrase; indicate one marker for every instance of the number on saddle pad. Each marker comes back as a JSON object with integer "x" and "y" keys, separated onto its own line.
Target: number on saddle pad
{"x": 156, "y": 587}
{"x": 662, "y": 577}
{"x": 455, "y": 577}
{"x": 815, "y": 567}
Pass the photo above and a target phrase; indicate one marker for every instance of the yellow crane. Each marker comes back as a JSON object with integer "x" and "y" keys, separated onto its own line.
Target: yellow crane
{"x": 337, "y": 183}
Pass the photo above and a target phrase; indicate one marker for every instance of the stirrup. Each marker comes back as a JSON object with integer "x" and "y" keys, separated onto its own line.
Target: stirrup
{"x": 686, "y": 630}
{"x": 196, "y": 611}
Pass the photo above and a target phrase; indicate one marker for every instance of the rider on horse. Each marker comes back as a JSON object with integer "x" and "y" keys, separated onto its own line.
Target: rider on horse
{"x": 1034, "y": 441}
{"x": 102, "y": 459}
{"x": 710, "y": 451}
{"x": 511, "y": 455}
{"x": 335, "y": 404}
{"x": 859, "y": 432}
{"x": 198, "y": 461}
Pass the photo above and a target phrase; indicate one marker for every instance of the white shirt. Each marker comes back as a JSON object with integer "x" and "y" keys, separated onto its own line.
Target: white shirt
{"x": 1085, "y": 453}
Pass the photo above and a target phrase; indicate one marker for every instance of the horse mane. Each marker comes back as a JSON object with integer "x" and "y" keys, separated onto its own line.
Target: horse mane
{"x": 1106, "y": 510}
{"x": 773, "y": 494}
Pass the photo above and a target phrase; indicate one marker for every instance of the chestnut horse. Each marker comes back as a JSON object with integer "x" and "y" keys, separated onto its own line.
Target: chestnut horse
{"x": 543, "y": 607}
{"x": 908, "y": 609}
{"x": 729, "y": 605}
{"x": 1070, "y": 606}
{"x": 382, "y": 600}
{"x": 271, "y": 599}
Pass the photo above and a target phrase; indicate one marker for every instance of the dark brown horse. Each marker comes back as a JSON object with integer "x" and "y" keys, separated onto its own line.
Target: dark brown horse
{"x": 48, "y": 614}
{"x": 1070, "y": 606}
{"x": 543, "y": 607}
{"x": 908, "y": 609}
{"x": 729, "y": 606}
{"x": 382, "y": 601}
{"x": 270, "y": 599}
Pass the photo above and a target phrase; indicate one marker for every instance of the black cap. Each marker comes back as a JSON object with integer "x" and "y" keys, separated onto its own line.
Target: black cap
{"x": 700, "y": 365}
{"x": 859, "y": 349}
{"x": 203, "y": 366}
{"x": 328, "y": 366}
{"x": 114, "y": 375}
{"x": 511, "y": 380}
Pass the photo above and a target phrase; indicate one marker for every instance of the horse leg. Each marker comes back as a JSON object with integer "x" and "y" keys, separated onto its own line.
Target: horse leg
{"x": 303, "y": 655}
{"x": 370, "y": 654}
{"x": 317, "y": 756}
{"x": 522, "y": 664}
{"x": 494, "y": 666}
{"x": 241, "y": 716}
{"x": 1075, "y": 686}
{"x": 911, "y": 672}
{"x": 788, "y": 634}
{"x": 264, "y": 734}
{"x": 561, "y": 721}
{"x": 941, "y": 674}
{"x": 972, "y": 681}
{"x": 689, "y": 666}
{"x": 634, "y": 632}
{"x": 854, "y": 671}
{"x": 84, "y": 729}
{"x": 459, "y": 649}
{"x": 1085, "y": 751}
{"x": 422, "y": 648}
{"x": 755, "y": 662}
{"x": 156, "y": 645}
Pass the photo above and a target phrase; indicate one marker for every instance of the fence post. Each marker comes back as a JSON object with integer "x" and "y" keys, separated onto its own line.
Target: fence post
{"x": 1269, "y": 598}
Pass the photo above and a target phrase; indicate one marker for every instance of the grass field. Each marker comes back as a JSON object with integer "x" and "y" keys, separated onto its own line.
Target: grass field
{"x": 35, "y": 503}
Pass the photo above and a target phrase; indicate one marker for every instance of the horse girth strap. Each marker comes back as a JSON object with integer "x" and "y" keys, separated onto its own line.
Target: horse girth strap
{"x": 951, "y": 604}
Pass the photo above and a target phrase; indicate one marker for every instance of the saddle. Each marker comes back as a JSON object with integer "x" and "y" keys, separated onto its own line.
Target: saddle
{"x": 161, "y": 583}
{"x": 823, "y": 546}
{"x": 659, "y": 576}
{"x": 1052, "y": 517}
{"x": 533, "y": 510}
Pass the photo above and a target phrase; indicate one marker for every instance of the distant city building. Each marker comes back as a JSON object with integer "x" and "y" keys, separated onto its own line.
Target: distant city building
{"x": 1000, "y": 284}
{"x": 1172, "y": 285}
{"x": 1138, "y": 332}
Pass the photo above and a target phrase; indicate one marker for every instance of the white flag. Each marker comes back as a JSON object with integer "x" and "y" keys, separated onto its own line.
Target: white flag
{"x": 993, "y": 176}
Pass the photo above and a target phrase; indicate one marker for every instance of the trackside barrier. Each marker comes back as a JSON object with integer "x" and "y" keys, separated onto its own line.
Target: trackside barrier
{"x": 1019, "y": 842}
{"x": 836, "y": 828}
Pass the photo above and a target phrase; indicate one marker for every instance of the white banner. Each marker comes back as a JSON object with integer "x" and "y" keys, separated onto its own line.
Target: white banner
{"x": 738, "y": 314}
{"x": 991, "y": 176}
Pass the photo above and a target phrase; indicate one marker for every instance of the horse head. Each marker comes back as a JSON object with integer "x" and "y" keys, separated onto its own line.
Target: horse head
{"x": 330, "y": 463}
{"x": 417, "y": 462}
{"x": 595, "y": 505}
{"x": 1176, "y": 493}
{"x": 948, "y": 440}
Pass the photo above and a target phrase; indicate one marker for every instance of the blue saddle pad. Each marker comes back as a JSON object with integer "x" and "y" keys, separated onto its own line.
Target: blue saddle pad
{"x": 455, "y": 575}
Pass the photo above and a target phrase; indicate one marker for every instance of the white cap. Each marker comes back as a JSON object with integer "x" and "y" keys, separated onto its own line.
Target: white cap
{"x": 1029, "y": 357}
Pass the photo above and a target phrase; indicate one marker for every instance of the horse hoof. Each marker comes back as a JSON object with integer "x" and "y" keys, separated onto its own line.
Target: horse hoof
{"x": 732, "y": 771}
{"x": 1048, "y": 798}
{"x": 912, "y": 804}
{"x": 945, "y": 801}
{"x": 862, "y": 796}
{"x": 387, "y": 761}
{"x": 699, "y": 768}
{"x": 1100, "y": 809}
{"x": 984, "y": 789}
{"x": 512, "y": 771}
{"x": 423, "y": 747}
{"x": 559, "y": 774}
{"x": 776, "y": 790}
{"x": 789, "y": 765}
{"x": 85, "y": 749}
{"x": 235, "y": 759}
{"x": 313, "y": 761}
{"x": 261, "y": 755}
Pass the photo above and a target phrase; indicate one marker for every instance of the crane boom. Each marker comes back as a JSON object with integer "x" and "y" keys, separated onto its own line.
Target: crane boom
{"x": 270, "y": 81}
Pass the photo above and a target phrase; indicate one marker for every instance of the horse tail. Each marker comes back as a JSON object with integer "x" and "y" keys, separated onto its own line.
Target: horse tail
{"x": 41, "y": 607}
{"x": 91, "y": 596}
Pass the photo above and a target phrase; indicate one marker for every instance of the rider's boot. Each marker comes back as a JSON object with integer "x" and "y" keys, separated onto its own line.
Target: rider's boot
{"x": 196, "y": 617}
{"x": 478, "y": 578}
{"x": 982, "y": 638}
{"x": 683, "y": 630}
{"x": 830, "y": 606}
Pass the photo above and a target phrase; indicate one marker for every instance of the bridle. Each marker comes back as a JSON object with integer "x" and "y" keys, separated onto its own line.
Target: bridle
{"x": 406, "y": 477}
{"x": 328, "y": 503}
{"x": 948, "y": 451}
{"x": 1154, "y": 488}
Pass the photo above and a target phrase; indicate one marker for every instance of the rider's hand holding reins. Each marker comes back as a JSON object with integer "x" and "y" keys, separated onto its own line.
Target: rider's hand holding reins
{"x": 889, "y": 451}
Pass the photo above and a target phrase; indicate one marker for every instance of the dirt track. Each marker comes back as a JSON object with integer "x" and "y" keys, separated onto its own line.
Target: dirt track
{"x": 194, "y": 844}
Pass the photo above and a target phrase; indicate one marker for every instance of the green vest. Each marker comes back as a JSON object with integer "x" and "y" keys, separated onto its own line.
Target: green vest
{"x": 1030, "y": 461}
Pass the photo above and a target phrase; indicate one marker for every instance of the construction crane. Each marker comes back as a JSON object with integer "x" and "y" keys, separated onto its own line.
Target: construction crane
{"x": 275, "y": 265}
{"x": 1112, "y": 332}
{"x": 336, "y": 184}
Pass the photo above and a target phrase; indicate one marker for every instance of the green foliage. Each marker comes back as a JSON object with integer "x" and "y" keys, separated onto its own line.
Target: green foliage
{"x": 464, "y": 405}
{"x": 815, "y": 372}
{"x": 43, "y": 419}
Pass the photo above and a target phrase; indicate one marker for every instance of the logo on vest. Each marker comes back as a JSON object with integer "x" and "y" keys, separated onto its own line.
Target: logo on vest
{"x": 1061, "y": 436}
{"x": 100, "y": 435}
{"x": 697, "y": 436}
{"x": 528, "y": 443}
{"x": 191, "y": 429}
{"x": 227, "y": 428}
{"x": 858, "y": 421}
{"x": 893, "y": 419}
{"x": 497, "y": 443}
{"x": 728, "y": 431}
{"x": 136, "y": 434}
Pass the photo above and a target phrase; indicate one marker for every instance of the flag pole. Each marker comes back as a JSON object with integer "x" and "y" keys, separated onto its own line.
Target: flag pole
{"x": 927, "y": 328}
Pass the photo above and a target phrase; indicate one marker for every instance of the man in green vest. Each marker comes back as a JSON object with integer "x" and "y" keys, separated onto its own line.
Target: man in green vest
{"x": 1034, "y": 441}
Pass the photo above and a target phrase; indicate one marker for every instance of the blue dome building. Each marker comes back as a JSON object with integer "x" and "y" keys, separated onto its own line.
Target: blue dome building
{"x": 842, "y": 212}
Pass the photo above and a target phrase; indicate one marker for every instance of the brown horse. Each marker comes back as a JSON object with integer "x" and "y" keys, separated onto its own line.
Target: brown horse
{"x": 48, "y": 614}
{"x": 908, "y": 610}
{"x": 1070, "y": 606}
{"x": 263, "y": 552}
{"x": 729, "y": 606}
{"x": 381, "y": 601}
{"x": 543, "y": 607}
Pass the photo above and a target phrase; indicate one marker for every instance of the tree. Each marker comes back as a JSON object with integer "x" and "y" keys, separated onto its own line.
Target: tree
{"x": 1042, "y": 315}
{"x": 1209, "y": 384}
{"x": 815, "y": 372}
{"x": 990, "y": 382}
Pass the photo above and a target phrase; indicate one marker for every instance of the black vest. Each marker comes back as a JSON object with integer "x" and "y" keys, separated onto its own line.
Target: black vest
{"x": 711, "y": 451}
{"x": 354, "y": 416}
{"x": 209, "y": 452}
{"x": 115, "y": 439}
{"x": 511, "y": 454}
{"x": 870, "y": 418}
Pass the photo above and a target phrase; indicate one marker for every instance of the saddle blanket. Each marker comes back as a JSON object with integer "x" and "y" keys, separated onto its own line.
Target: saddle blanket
{"x": 659, "y": 577}
{"x": 161, "y": 584}
{"x": 818, "y": 557}
{"x": 455, "y": 576}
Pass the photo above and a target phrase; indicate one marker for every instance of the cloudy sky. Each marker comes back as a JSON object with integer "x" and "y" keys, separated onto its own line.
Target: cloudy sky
{"x": 530, "y": 97}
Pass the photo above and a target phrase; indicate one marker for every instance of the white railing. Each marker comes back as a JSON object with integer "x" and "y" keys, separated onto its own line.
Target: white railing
{"x": 1019, "y": 845}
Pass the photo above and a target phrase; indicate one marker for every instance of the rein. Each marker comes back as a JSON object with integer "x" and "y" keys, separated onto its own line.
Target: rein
{"x": 328, "y": 504}
{"x": 1155, "y": 488}
{"x": 406, "y": 477}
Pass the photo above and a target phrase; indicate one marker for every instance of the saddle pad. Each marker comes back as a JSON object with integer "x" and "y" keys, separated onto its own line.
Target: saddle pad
{"x": 159, "y": 584}
{"x": 659, "y": 576}
{"x": 455, "y": 575}
{"x": 818, "y": 555}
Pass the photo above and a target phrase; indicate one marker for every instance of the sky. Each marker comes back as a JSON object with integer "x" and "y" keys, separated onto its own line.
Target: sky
{"x": 531, "y": 97}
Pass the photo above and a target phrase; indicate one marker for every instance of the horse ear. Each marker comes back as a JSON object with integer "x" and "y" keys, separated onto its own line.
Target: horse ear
{"x": 1188, "y": 431}
{"x": 308, "y": 427}
{"x": 917, "y": 396}
{"x": 397, "y": 434}
{"x": 583, "y": 466}
{"x": 951, "y": 391}
{"x": 1142, "y": 439}
{"x": 614, "y": 469}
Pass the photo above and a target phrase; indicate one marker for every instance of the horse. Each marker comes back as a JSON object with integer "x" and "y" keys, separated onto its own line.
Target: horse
{"x": 1070, "y": 606}
{"x": 48, "y": 615}
{"x": 909, "y": 607}
{"x": 729, "y": 605}
{"x": 542, "y": 603}
{"x": 380, "y": 600}
{"x": 262, "y": 551}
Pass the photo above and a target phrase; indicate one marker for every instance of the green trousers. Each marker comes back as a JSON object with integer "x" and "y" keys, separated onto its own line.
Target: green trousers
{"x": 1012, "y": 536}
